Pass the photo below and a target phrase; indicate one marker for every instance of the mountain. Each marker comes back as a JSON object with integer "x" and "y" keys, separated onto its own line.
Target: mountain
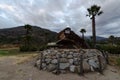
{"x": 98, "y": 38}
{"x": 15, "y": 35}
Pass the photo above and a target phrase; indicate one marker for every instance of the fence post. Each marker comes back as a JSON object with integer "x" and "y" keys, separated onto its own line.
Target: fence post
{"x": 105, "y": 55}
{"x": 81, "y": 65}
{"x": 107, "y": 58}
{"x": 100, "y": 65}
{"x": 41, "y": 59}
{"x": 58, "y": 64}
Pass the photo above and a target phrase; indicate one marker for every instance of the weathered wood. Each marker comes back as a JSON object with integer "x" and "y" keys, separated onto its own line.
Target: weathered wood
{"x": 41, "y": 58}
{"x": 58, "y": 65}
{"x": 105, "y": 55}
{"x": 100, "y": 65}
{"x": 81, "y": 65}
{"x": 107, "y": 58}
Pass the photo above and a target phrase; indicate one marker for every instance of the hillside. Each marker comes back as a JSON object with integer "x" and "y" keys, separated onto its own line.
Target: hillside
{"x": 15, "y": 35}
{"x": 98, "y": 38}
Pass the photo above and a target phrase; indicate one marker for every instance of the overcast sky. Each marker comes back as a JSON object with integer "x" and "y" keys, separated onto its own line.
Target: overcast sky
{"x": 58, "y": 14}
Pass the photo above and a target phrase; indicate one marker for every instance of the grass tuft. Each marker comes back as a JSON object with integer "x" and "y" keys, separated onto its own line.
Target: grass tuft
{"x": 8, "y": 52}
{"x": 118, "y": 61}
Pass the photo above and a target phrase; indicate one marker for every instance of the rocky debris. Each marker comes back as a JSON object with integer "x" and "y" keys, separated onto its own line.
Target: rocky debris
{"x": 38, "y": 63}
{"x": 86, "y": 66}
{"x": 43, "y": 65}
{"x": 72, "y": 68}
{"x": 63, "y": 71}
{"x": 63, "y": 60}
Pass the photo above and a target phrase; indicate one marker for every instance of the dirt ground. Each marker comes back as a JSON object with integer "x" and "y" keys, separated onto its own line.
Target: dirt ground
{"x": 22, "y": 68}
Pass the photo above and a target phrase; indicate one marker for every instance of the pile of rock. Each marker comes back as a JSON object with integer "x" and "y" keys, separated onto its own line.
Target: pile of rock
{"x": 71, "y": 60}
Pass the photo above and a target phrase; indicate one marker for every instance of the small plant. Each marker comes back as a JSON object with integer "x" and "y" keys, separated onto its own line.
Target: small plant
{"x": 118, "y": 61}
{"x": 8, "y": 52}
{"x": 110, "y": 49}
{"x": 30, "y": 48}
{"x": 43, "y": 47}
{"x": 3, "y": 52}
{"x": 24, "y": 48}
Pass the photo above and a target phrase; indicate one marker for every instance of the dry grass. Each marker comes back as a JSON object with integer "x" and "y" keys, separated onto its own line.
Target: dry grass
{"x": 19, "y": 57}
{"x": 25, "y": 57}
{"x": 114, "y": 61}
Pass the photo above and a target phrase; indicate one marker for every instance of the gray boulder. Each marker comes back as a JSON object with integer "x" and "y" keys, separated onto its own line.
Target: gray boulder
{"x": 64, "y": 55}
{"x": 63, "y": 60}
{"x": 54, "y": 61}
{"x": 72, "y": 68}
{"x": 93, "y": 63}
{"x": 64, "y": 65}
{"x": 43, "y": 65}
{"x": 70, "y": 56}
{"x": 48, "y": 60}
{"x": 51, "y": 67}
{"x": 71, "y": 61}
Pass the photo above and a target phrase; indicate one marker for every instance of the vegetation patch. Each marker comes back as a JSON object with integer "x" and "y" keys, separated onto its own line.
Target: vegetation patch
{"x": 3, "y": 52}
{"x": 9, "y": 52}
{"x": 111, "y": 49}
{"x": 118, "y": 61}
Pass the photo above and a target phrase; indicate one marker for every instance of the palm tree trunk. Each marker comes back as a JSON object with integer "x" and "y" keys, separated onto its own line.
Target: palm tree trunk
{"x": 83, "y": 35}
{"x": 93, "y": 31}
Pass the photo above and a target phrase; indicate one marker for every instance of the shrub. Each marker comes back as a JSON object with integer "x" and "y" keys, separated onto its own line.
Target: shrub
{"x": 43, "y": 47}
{"x": 9, "y": 52}
{"x": 33, "y": 48}
{"x": 118, "y": 61}
{"x": 30, "y": 48}
{"x": 23, "y": 48}
{"x": 110, "y": 49}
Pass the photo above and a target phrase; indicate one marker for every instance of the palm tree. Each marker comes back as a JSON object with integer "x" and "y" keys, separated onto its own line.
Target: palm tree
{"x": 83, "y": 31}
{"x": 92, "y": 12}
{"x": 28, "y": 29}
{"x": 111, "y": 39}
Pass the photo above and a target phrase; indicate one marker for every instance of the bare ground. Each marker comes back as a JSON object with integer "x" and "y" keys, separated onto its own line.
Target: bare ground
{"x": 22, "y": 68}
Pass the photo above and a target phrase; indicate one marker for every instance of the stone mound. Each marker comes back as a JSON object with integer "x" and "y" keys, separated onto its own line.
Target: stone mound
{"x": 71, "y": 60}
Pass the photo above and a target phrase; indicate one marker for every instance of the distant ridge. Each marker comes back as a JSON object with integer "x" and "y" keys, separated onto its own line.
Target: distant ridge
{"x": 98, "y": 38}
{"x": 14, "y": 35}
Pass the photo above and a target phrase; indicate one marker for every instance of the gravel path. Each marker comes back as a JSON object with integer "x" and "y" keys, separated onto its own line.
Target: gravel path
{"x": 21, "y": 68}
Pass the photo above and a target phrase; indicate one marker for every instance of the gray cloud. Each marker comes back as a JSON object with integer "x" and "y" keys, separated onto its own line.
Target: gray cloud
{"x": 57, "y": 14}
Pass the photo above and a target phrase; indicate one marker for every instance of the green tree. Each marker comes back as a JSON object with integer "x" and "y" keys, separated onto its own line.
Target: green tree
{"x": 83, "y": 31}
{"x": 92, "y": 12}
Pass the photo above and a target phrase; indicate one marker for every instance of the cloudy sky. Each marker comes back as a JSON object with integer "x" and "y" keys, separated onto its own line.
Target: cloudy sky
{"x": 58, "y": 14}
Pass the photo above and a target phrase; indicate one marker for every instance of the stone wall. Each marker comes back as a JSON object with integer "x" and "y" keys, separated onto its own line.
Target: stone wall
{"x": 71, "y": 60}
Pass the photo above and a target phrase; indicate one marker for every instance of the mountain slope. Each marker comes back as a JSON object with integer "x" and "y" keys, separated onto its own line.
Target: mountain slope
{"x": 98, "y": 38}
{"x": 15, "y": 35}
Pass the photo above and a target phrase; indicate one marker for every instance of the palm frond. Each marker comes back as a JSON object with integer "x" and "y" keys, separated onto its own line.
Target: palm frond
{"x": 100, "y": 13}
